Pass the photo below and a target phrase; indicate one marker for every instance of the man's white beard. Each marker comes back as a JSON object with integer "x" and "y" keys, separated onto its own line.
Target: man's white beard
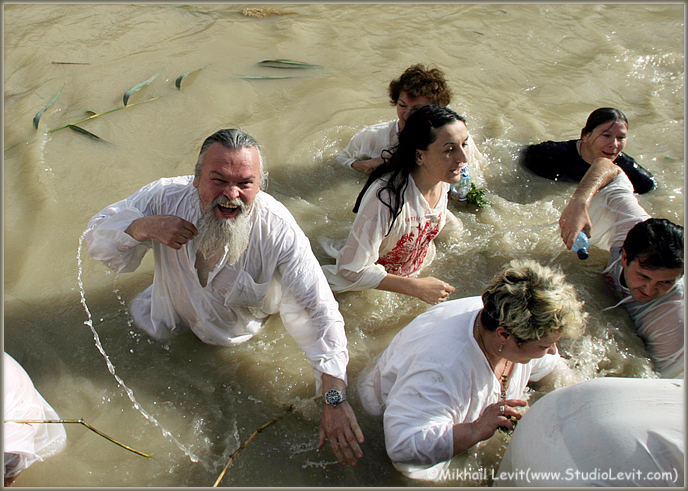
{"x": 214, "y": 233}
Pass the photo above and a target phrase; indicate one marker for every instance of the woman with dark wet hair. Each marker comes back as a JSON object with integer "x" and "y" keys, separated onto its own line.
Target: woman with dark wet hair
{"x": 604, "y": 135}
{"x": 402, "y": 208}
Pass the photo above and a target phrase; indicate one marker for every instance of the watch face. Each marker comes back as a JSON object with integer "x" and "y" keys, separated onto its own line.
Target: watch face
{"x": 333, "y": 397}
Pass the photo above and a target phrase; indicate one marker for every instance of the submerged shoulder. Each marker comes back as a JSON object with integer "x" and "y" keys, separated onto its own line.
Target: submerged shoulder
{"x": 549, "y": 149}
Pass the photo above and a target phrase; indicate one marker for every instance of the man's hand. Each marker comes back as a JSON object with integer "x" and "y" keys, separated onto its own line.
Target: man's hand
{"x": 169, "y": 230}
{"x": 339, "y": 426}
{"x": 573, "y": 219}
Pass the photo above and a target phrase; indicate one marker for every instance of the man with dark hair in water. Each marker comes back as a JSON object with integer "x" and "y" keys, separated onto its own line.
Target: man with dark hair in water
{"x": 645, "y": 267}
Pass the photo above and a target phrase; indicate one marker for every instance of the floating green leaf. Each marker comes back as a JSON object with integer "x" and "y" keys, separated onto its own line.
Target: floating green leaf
{"x": 92, "y": 114}
{"x": 138, "y": 87}
{"x": 286, "y": 64}
{"x": 476, "y": 196}
{"x": 178, "y": 82}
{"x": 37, "y": 117}
{"x": 83, "y": 132}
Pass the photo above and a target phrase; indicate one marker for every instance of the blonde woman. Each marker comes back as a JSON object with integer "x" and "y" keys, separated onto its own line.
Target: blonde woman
{"x": 456, "y": 373}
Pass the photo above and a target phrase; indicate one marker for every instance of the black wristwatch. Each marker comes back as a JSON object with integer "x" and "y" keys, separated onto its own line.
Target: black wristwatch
{"x": 334, "y": 397}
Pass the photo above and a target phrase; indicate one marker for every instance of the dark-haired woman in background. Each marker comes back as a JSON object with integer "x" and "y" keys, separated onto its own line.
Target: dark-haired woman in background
{"x": 604, "y": 135}
{"x": 402, "y": 208}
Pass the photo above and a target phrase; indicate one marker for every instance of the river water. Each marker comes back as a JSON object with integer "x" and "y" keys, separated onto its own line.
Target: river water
{"x": 520, "y": 74}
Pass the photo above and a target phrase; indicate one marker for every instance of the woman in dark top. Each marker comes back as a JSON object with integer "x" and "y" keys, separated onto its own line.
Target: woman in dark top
{"x": 605, "y": 136}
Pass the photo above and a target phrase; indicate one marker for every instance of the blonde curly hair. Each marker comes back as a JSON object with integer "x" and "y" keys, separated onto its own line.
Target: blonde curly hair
{"x": 532, "y": 302}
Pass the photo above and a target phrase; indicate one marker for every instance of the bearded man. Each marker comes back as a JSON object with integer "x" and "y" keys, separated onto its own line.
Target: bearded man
{"x": 228, "y": 255}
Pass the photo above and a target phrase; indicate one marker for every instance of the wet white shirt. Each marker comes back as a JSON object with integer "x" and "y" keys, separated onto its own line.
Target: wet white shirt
{"x": 370, "y": 254}
{"x": 371, "y": 141}
{"x": 660, "y": 323}
{"x": 614, "y": 210}
{"x": 620, "y": 432}
{"x": 277, "y": 273}
{"x": 432, "y": 376}
{"x": 24, "y": 444}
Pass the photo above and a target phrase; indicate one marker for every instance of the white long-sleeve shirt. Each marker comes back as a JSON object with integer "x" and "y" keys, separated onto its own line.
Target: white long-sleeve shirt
{"x": 277, "y": 273}
{"x": 369, "y": 143}
{"x": 432, "y": 376}
{"x": 615, "y": 210}
{"x": 370, "y": 254}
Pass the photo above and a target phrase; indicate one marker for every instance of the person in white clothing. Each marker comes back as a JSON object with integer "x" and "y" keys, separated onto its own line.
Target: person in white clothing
{"x": 645, "y": 266}
{"x": 26, "y": 443}
{"x": 227, "y": 255}
{"x": 402, "y": 208}
{"x": 457, "y": 372}
{"x": 417, "y": 86}
{"x": 604, "y": 432}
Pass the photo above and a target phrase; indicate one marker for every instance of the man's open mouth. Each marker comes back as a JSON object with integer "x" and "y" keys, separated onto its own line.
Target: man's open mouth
{"x": 228, "y": 208}
{"x": 228, "y": 211}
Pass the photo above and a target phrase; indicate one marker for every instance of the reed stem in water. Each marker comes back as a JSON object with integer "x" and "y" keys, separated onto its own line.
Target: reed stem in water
{"x": 82, "y": 422}
{"x": 236, "y": 452}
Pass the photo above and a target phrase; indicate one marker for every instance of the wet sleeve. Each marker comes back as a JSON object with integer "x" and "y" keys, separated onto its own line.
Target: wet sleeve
{"x": 663, "y": 330}
{"x": 106, "y": 239}
{"x": 356, "y": 263}
{"x": 614, "y": 210}
{"x": 555, "y": 160}
{"x": 308, "y": 309}
{"x": 537, "y": 159}
{"x": 643, "y": 181}
{"x": 370, "y": 142}
{"x": 354, "y": 150}
{"x": 452, "y": 225}
{"x": 419, "y": 418}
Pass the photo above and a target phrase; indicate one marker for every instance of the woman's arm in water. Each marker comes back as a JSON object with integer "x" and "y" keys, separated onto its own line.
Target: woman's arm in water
{"x": 428, "y": 289}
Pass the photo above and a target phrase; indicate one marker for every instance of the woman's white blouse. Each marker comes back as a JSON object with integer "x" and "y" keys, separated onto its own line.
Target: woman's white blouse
{"x": 370, "y": 253}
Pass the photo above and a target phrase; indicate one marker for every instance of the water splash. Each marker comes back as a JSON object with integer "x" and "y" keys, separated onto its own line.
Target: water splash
{"x": 475, "y": 242}
{"x": 111, "y": 367}
{"x": 321, "y": 464}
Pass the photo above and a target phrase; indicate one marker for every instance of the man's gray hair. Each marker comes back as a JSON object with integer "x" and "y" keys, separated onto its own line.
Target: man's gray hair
{"x": 233, "y": 139}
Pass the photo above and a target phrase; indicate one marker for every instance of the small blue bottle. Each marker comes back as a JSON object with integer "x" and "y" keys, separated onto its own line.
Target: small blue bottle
{"x": 459, "y": 190}
{"x": 581, "y": 245}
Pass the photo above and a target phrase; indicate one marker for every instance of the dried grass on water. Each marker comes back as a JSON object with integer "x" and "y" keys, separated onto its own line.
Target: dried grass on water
{"x": 261, "y": 13}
